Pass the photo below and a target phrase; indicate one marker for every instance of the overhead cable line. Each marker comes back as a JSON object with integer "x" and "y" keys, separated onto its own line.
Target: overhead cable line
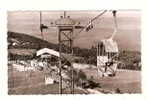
{"x": 89, "y": 25}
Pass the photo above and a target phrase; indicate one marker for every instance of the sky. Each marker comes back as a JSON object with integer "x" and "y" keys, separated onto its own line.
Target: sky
{"x": 128, "y": 35}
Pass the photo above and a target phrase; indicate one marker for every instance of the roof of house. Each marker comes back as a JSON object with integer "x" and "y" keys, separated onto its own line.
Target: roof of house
{"x": 68, "y": 57}
{"x": 47, "y": 50}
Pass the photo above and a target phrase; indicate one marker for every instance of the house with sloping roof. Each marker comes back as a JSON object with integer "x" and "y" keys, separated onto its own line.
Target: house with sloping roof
{"x": 46, "y": 52}
{"x": 50, "y": 55}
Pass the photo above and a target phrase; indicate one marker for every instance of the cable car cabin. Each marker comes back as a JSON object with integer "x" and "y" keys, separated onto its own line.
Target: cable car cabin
{"x": 107, "y": 56}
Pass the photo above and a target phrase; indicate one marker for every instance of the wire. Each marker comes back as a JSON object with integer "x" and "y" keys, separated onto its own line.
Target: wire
{"x": 77, "y": 34}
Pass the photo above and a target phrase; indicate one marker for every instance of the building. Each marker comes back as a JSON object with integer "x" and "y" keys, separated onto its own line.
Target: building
{"x": 45, "y": 53}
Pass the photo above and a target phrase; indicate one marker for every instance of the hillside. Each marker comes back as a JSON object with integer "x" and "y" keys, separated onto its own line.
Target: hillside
{"x": 23, "y": 41}
{"x": 22, "y": 46}
{"x": 17, "y": 40}
{"x": 131, "y": 59}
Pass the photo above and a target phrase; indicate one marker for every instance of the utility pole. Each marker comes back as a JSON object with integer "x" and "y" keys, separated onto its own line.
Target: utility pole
{"x": 41, "y": 29}
{"x": 60, "y": 64}
{"x": 42, "y": 26}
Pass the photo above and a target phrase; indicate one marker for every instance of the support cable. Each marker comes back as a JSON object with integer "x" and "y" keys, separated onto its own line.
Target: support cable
{"x": 90, "y": 22}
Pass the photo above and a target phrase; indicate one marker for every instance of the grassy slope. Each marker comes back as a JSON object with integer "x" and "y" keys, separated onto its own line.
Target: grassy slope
{"x": 127, "y": 81}
{"x": 34, "y": 43}
{"x": 32, "y": 83}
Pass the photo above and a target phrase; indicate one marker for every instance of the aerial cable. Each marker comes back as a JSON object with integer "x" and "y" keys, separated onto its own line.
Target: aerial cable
{"x": 89, "y": 25}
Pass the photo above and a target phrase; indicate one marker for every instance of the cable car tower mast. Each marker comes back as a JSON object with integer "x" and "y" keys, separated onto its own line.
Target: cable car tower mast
{"x": 65, "y": 33}
{"x": 66, "y": 27}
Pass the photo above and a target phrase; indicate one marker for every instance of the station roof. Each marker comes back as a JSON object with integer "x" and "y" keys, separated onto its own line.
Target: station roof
{"x": 65, "y": 21}
{"x": 47, "y": 50}
{"x": 68, "y": 57}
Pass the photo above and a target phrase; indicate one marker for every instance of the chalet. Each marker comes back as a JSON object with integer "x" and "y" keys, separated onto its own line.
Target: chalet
{"x": 46, "y": 52}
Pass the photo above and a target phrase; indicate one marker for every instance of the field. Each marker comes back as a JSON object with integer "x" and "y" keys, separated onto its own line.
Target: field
{"x": 22, "y": 51}
{"x": 32, "y": 83}
{"x": 126, "y": 80}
